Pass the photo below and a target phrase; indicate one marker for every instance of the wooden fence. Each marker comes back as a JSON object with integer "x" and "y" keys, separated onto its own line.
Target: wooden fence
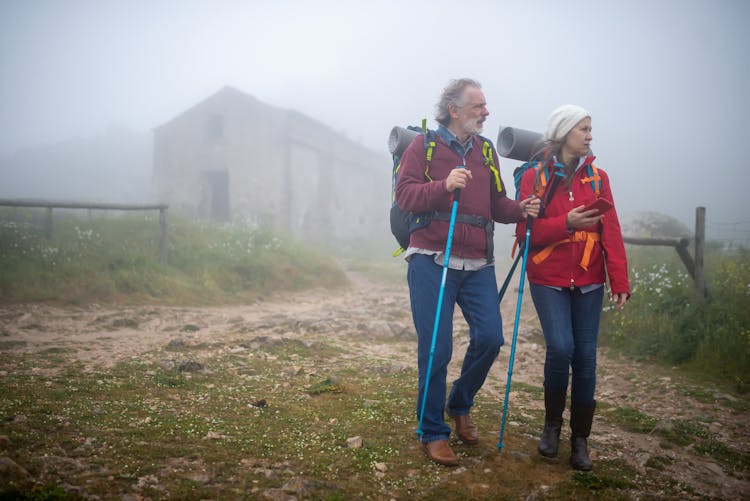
{"x": 48, "y": 205}
{"x": 694, "y": 265}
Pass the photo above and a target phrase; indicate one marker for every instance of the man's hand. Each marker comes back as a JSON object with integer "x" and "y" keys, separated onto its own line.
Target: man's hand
{"x": 530, "y": 206}
{"x": 457, "y": 179}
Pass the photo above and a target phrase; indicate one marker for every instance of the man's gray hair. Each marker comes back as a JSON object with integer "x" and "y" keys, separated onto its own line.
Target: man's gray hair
{"x": 453, "y": 94}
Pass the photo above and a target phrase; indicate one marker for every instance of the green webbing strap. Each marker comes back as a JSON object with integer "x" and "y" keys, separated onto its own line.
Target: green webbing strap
{"x": 429, "y": 146}
{"x": 428, "y": 155}
{"x": 490, "y": 162}
{"x": 395, "y": 176}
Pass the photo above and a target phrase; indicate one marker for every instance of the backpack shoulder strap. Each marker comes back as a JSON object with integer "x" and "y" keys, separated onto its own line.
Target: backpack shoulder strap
{"x": 558, "y": 172}
{"x": 545, "y": 178}
{"x": 593, "y": 177}
{"x": 518, "y": 175}
{"x": 430, "y": 141}
{"x": 489, "y": 161}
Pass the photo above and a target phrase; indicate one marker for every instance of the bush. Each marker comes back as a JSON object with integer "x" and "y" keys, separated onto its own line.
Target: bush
{"x": 665, "y": 322}
{"x": 116, "y": 259}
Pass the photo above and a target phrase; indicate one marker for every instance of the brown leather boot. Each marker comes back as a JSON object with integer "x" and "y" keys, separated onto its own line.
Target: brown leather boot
{"x": 440, "y": 452}
{"x": 466, "y": 430}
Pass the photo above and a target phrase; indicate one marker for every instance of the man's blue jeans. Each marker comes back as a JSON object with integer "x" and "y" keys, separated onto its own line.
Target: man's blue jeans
{"x": 570, "y": 321}
{"x": 476, "y": 294}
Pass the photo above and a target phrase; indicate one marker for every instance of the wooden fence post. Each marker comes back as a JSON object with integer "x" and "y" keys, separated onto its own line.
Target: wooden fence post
{"x": 694, "y": 266}
{"x": 700, "y": 238}
{"x": 163, "y": 242}
{"x": 684, "y": 253}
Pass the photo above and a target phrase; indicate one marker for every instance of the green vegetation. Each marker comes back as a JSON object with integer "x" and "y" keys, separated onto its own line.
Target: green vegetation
{"x": 116, "y": 259}
{"x": 620, "y": 477}
{"x": 664, "y": 322}
{"x": 629, "y": 419}
{"x": 251, "y": 412}
{"x": 386, "y": 269}
{"x": 39, "y": 493}
{"x": 684, "y": 433}
{"x": 249, "y": 423}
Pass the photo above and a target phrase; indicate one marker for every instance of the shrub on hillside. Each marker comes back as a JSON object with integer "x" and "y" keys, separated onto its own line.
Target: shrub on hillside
{"x": 664, "y": 320}
{"x": 116, "y": 259}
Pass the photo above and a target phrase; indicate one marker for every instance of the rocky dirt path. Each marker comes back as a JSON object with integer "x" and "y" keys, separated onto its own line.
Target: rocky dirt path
{"x": 374, "y": 319}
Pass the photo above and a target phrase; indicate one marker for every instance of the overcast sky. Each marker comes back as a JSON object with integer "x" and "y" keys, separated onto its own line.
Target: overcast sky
{"x": 666, "y": 81}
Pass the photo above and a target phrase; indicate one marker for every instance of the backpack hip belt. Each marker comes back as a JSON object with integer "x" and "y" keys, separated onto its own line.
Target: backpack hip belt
{"x": 470, "y": 219}
{"x": 590, "y": 237}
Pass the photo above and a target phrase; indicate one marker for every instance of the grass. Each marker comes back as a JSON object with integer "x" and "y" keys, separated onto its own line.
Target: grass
{"x": 736, "y": 462}
{"x": 261, "y": 414}
{"x": 256, "y": 420}
{"x": 388, "y": 270}
{"x": 692, "y": 433}
{"x": 664, "y": 322}
{"x": 629, "y": 419}
{"x": 116, "y": 260}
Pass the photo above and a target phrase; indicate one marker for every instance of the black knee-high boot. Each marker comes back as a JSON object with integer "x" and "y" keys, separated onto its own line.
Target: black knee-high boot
{"x": 581, "y": 418}
{"x": 554, "y": 405}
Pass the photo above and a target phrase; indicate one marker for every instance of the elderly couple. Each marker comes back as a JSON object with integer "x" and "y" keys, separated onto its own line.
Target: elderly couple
{"x": 572, "y": 251}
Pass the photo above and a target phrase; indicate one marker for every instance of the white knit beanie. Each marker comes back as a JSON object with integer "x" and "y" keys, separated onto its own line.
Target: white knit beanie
{"x": 563, "y": 119}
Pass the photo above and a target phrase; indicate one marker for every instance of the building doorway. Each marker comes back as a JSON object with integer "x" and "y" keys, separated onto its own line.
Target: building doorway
{"x": 216, "y": 183}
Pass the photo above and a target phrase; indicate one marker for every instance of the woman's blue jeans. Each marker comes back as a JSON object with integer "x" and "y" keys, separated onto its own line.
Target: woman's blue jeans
{"x": 570, "y": 321}
{"x": 476, "y": 294}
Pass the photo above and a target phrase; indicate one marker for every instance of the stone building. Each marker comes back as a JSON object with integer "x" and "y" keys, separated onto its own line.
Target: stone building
{"x": 232, "y": 157}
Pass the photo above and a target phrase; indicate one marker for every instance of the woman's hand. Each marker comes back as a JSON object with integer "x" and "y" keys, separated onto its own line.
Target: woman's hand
{"x": 530, "y": 206}
{"x": 579, "y": 218}
{"x": 457, "y": 179}
{"x": 620, "y": 299}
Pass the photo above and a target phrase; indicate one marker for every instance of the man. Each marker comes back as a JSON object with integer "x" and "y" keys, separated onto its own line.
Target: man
{"x": 457, "y": 163}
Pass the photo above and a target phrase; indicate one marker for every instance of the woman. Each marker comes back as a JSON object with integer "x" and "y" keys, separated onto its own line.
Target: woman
{"x": 572, "y": 251}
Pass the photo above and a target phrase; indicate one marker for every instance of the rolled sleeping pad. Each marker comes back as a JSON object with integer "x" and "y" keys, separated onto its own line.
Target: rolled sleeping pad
{"x": 518, "y": 144}
{"x": 399, "y": 139}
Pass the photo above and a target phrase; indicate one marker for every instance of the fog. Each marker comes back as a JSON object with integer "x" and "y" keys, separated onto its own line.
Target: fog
{"x": 666, "y": 81}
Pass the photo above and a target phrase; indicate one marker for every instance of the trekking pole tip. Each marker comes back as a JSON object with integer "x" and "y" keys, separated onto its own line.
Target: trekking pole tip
{"x": 500, "y": 448}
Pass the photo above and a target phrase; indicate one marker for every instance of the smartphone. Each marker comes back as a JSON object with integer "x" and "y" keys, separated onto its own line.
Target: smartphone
{"x": 600, "y": 204}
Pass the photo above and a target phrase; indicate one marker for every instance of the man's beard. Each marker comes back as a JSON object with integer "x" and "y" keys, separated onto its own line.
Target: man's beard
{"x": 474, "y": 127}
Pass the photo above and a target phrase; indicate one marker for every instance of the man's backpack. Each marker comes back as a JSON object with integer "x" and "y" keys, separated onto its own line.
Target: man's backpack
{"x": 403, "y": 223}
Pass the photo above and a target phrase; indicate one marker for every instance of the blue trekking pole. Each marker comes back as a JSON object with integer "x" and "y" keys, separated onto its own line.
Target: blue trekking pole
{"x": 507, "y": 278}
{"x": 436, "y": 323}
{"x": 515, "y": 332}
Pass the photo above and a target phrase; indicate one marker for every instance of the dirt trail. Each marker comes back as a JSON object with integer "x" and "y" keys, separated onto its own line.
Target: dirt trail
{"x": 374, "y": 318}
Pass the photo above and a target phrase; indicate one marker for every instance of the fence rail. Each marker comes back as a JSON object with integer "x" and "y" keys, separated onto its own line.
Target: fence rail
{"x": 49, "y": 205}
{"x": 694, "y": 266}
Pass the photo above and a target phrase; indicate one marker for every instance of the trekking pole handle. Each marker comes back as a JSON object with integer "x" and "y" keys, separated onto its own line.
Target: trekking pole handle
{"x": 529, "y": 219}
{"x": 457, "y": 191}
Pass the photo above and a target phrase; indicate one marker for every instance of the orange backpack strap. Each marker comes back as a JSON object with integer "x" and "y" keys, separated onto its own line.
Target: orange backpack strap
{"x": 540, "y": 179}
{"x": 593, "y": 177}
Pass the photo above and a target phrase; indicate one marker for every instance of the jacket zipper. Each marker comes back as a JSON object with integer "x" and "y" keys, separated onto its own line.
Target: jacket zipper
{"x": 571, "y": 203}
